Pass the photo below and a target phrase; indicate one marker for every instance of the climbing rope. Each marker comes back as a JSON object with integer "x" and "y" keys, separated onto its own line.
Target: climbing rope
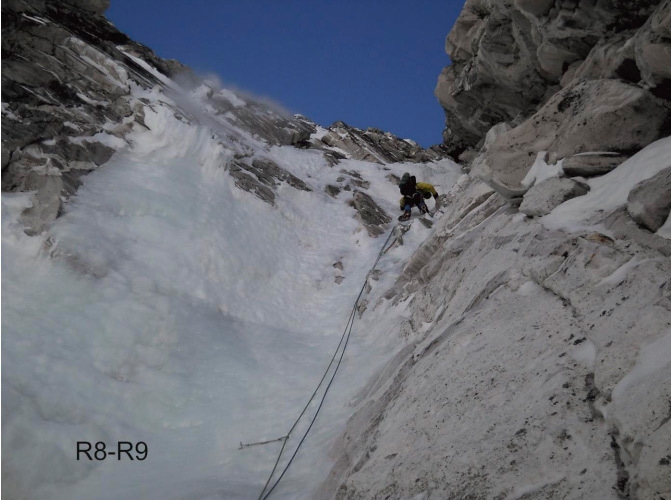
{"x": 344, "y": 339}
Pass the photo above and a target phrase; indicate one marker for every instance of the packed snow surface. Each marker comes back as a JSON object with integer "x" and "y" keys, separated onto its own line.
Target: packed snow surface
{"x": 169, "y": 307}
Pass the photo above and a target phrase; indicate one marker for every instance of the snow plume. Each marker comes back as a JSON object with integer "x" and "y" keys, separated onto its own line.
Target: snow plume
{"x": 239, "y": 96}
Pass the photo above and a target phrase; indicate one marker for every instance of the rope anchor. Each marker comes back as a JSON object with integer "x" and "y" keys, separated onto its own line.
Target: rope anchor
{"x": 249, "y": 445}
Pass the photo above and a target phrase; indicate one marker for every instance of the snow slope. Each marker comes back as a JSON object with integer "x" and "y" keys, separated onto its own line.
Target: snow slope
{"x": 169, "y": 307}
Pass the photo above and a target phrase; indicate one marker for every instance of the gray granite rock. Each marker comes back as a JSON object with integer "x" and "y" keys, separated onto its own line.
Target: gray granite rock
{"x": 652, "y": 49}
{"x": 509, "y": 58}
{"x": 593, "y": 115}
{"x": 649, "y": 202}
{"x": 96, "y": 6}
{"x": 355, "y": 178}
{"x": 270, "y": 173}
{"x": 545, "y": 196}
{"x": 251, "y": 184}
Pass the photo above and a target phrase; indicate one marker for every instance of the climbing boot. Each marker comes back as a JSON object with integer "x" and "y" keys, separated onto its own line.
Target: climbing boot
{"x": 405, "y": 216}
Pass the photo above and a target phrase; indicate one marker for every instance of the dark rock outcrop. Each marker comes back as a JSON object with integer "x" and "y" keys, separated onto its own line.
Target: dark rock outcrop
{"x": 370, "y": 213}
{"x": 332, "y": 191}
{"x": 261, "y": 175}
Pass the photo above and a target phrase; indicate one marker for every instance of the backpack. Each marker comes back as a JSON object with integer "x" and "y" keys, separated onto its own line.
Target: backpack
{"x": 408, "y": 185}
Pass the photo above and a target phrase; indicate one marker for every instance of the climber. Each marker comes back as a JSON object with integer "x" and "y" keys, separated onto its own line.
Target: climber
{"x": 414, "y": 193}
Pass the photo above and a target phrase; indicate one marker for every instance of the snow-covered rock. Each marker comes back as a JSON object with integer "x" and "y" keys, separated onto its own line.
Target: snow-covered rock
{"x": 168, "y": 278}
{"x": 536, "y": 366}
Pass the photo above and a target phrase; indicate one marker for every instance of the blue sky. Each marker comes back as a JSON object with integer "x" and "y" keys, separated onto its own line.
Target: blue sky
{"x": 369, "y": 63}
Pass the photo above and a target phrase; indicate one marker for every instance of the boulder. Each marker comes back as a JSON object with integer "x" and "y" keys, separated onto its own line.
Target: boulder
{"x": 545, "y": 196}
{"x": 606, "y": 115}
{"x": 591, "y": 164}
{"x": 649, "y": 202}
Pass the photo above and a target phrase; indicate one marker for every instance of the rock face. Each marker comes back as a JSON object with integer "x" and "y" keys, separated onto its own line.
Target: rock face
{"x": 509, "y": 58}
{"x": 530, "y": 363}
{"x": 649, "y": 203}
{"x": 596, "y": 115}
{"x": 95, "y": 6}
{"x": 526, "y": 384}
{"x": 266, "y": 122}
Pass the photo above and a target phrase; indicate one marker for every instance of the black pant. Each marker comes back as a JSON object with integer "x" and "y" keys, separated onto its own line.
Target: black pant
{"x": 415, "y": 199}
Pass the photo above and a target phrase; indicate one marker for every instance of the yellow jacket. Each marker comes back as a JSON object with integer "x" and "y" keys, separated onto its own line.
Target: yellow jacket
{"x": 425, "y": 188}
